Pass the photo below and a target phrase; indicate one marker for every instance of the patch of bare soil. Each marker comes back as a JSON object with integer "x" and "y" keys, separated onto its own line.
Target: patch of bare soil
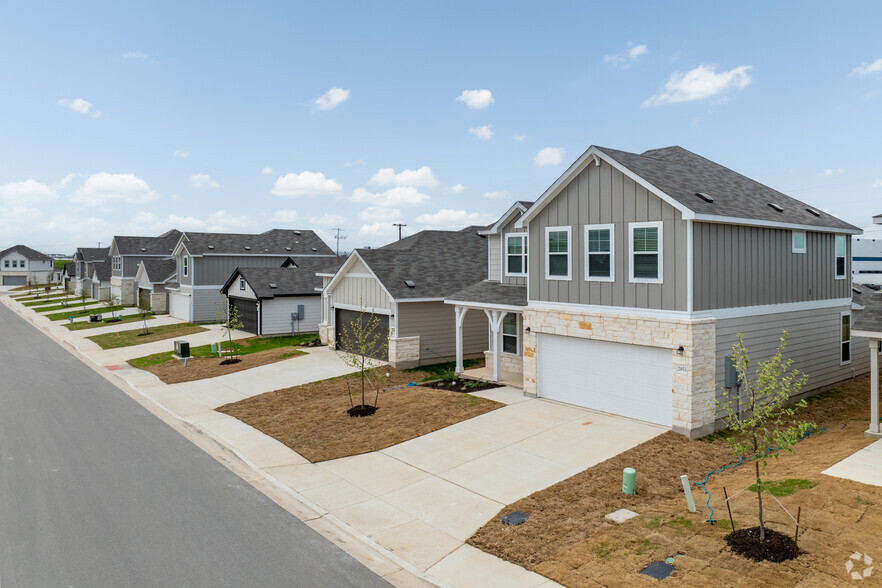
{"x": 312, "y": 419}
{"x": 567, "y": 539}
{"x": 199, "y": 368}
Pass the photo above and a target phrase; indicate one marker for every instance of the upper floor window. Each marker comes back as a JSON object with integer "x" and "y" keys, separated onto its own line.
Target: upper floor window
{"x": 241, "y": 283}
{"x": 516, "y": 255}
{"x": 646, "y": 252}
{"x": 600, "y": 253}
{"x": 845, "y": 338}
{"x": 510, "y": 333}
{"x": 5, "y": 263}
{"x": 186, "y": 266}
{"x": 558, "y": 261}
{"x": 797, "y": 239}
{"x": 14, "y": 263}
{"x": 840, "y": 257}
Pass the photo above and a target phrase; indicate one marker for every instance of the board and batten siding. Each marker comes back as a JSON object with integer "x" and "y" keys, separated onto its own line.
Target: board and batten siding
{"x": 182, "y": 279}
{"x": 130, "y": 266}
{"x": 275, "y": 315}
{"x": 494, "y": 257}
{"x": 506, "y": 230}
{"x": 435, "y": 324}
{"x": 216, "y": 269}
{"x": 235, "y": 292}
{"x": 813, "y": 344}
{"x": 738, "y": 265}
{"x": 604, "y": 195}
{"x": 359, "y": 289}
{"x": 205, "y": 304}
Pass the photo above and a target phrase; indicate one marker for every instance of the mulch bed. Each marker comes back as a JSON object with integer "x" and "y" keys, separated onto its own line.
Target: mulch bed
{"x": 776, "y": 546}
{"x": 462, "y": 385}
{"x": 312, "y": 419}
{"x": 199, "y": 368}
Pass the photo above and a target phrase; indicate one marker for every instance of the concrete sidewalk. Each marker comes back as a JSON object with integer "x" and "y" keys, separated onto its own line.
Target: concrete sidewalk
{"x": 863, "y": 466}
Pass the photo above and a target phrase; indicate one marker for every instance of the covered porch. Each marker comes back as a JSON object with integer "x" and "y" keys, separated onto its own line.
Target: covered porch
{"x": 868, "y": 323}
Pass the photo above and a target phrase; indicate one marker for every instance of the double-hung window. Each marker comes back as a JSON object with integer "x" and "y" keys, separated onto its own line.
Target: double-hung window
{"x": 186, "y": 266}
{"x": 646, "y": 252}
{"x": 845, "y": 338}
{"x": 797, "y": 239}
{"x": 839, "y": 265}
{"x": 600, "y": 253}
{"x": 510, "y": 333}
{"x": 516, "y": 254}
{"x": 5, "y": 263}
{"x": 14, "y": 263}
{"x": 558, "y": 259}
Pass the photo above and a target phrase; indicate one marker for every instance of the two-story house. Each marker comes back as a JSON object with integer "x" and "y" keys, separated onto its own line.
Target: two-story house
{"x": 20, "y": 265}
{"x": 126, "y": 254}
{"x": 85, "y": 259}
{"x": 642, "y": 269}
{"x": 204, "y": 262}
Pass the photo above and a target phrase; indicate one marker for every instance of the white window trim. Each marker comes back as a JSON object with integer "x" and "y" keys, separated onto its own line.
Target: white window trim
{"x": 793, "y": 247}
{"x": 569, "y": 231}
{"x": 612, "y": 254}
{"x": 517, "y": 335}
{"x": 186, "y": 266}
{"x": 505, "y": 254}
{"x": 844, "y": 257}
{"x": 839, "y": 337}
{"x": 661, "y": 275}
{"x": 241, "y": 283}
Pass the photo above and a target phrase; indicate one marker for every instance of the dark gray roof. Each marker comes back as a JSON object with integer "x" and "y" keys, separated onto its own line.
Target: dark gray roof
{"x": 159, "y": 270}
{"x": 486, "y": 292}
{"x": 27, "y": 252}
{"x": 870, "y": 318}
{"x": 272, "y": 242}
{"x": 92, "y": 253}
{"x": 295, "y": 280}
{"x": 104, "y": 270}
{"x": 161, "y": 245}
{"x": 70, "y": 268}
{"x": 681, "y": 174}
{"x": 438, "y": 262}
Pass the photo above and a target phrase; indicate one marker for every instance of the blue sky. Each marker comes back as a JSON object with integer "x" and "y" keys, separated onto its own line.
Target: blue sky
{"x": 125, "y": 118}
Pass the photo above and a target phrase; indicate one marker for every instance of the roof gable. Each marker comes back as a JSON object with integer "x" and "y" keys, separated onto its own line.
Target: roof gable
{"x": 27, "y": 252}
{"x": 516, "y": 209}
{"x": 297, "y": 279}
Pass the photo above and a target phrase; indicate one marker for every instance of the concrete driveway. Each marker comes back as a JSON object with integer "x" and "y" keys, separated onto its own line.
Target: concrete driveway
{"x": 863, "y": 466}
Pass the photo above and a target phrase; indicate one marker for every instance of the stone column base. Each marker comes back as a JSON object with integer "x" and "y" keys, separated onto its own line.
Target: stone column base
{"x": 509, "y": 364}
{"x": 404, "y": 352}
{"x": 324, "y": 330}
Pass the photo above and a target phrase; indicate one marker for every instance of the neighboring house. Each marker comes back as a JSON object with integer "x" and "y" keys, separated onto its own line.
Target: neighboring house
{"x": 21, "y": 265}
{"x": 866, "y": 257}
{"x": 204, "y": 262}
{"x": 868, "y": 325}
{"x": 642, "y": 269}
{"x": 69, "y": 276}
{"x": 154, "y": 275}
{"x": 100, "y": 280}
{"x": 402, "y": 287}
{"x": 127, "y": 253}
{"x": 86, "y": 258}
{"x": 269, "y": 298}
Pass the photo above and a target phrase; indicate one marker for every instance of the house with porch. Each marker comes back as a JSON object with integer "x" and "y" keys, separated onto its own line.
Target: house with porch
{"x": 127, "y": 253}
{"x": 20, "y": 266}
{"x": 642, "y": 269}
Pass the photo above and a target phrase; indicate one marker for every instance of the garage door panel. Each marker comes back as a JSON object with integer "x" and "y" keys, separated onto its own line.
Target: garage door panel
{"x": 179, "y": 306}
{"x": 247, "y": 314}
{"x": 15, "y": 280}
{"x": 629, "y": 380}
{"x": 345, "y": 317}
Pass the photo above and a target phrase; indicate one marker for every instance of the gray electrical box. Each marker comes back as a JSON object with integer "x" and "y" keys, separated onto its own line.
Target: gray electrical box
{"x": 731, "y": 373}
{"x": 298, "y": 316}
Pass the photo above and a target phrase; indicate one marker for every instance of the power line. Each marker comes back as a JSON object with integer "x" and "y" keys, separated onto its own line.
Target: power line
{"x": 338, "y": 237}
{"x": 399, "y": 225}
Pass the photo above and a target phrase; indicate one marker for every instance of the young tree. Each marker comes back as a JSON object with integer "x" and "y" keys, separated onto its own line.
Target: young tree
{"x": 84, "y": 297}
{"x": 230, "y": 320}
{"x": 358, "y": 342}
{"x": 110, "y": 303}
{"x": 144, "y": 311}
{"x": 766, "y": 421}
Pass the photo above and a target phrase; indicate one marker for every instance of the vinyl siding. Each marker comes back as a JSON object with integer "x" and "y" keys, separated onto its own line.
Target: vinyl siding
{"x": 215, "y": 270}
{"x": 435, "y": 324}
{"x": 747, "y": 266}
{"x": 494, "y": 258}
{"x": 813, "y": 344}
{"x": 603, "y": 195}
{"x": 130, "y": 266}
{"x": 506, "y": 230}
{"x": 188, "y": 279}
{"x": 235, "y": 292}
{"x": 356, "y": 288}
{"x": 276, "y": 315}
{"x": 205, "y": 304}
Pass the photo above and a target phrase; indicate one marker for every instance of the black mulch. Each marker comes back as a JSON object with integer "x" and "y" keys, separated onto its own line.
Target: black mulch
{"x": 776, "y": 547}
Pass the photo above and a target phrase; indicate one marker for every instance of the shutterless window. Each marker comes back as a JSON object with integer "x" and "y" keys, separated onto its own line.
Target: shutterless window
{"x": 599, "y": 264}
{"x": 516, "y": 255}
{"x": 646, "y": 260}
{"x": 840, "y": 256}
{"x": 797, "y": 241}
{"x": 845, "y": 339}
{"x": 186, "y": 266}
{"x": 241, "y": 283}
{"x": 510, "y": 333}
{"x": 557, "y": 255}
{"x": 5, "y": 263}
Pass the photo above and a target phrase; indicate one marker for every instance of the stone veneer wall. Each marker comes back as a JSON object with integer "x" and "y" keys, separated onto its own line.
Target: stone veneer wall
{"x": 326, "y": 333}
{"x": 693, "y": 378}
{"x": 127, "y": 292}
{"x": 159, "y": 302}
{"x": 509, "y": 364}
{"x": 404, "y": 352}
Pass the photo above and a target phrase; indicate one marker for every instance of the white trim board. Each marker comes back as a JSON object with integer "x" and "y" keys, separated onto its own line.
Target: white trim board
{"x": 357, "y": 308}
{"x": 736, "y": 220}
{"x": 482, "y": 306}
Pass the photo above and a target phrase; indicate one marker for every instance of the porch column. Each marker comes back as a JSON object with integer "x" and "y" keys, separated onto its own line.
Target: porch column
{"x": 874, "y": 386}
{"x": 460, "y": 316}
{"x": 495, "y": 317}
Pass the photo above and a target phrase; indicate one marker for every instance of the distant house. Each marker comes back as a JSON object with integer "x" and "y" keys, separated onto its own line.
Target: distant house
{"x": 151, "y": 280}
{"x": 69, "y": 276}
{"x": 20, "y": 265}
{"x": 866, "y": 257}
{"x": 99, "y": 281}
{"x": 127, "y": 253}
{"x": 86, "y": 258}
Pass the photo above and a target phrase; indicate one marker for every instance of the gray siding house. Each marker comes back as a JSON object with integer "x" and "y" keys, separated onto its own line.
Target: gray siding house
{"x": 154, "y": 275}
{"x": 126, "y": 255}
{"x": 21, "y": 265}
{"x": 643, "y": 268}
{"x": 85, "y": 259}
{"x": 205, "y": 261}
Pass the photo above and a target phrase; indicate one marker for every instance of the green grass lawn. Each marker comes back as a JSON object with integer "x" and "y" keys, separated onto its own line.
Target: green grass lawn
{"x": 246, "y": 347}
{"x": 34, "y": 301}
{"x": 137, "y": 336}
{"x": 72, "y": 304}
{"x": 786, "y": 487}
{"x": 102, "y": 310}
{"x": 126, "y": 319}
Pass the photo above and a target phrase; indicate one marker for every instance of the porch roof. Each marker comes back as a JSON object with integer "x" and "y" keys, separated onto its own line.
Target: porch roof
{"x": 487, "y": 293}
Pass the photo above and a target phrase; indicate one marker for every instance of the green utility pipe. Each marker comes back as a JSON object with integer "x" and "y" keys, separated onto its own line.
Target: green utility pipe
{"x": 629, "y": 476}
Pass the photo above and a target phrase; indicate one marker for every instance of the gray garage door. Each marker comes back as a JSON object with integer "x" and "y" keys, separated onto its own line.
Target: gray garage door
{"x": 247, "y": 314}
{"x": 144, "y": 297}
{"x": 15, "y": 280}
{"x": 347, "y": 332}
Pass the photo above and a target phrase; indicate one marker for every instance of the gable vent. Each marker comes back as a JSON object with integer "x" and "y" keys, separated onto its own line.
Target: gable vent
{"x": 410, "y": 283}
{"x": 813, "y": 211}
{"x": 273, "y": 286}
{"x": 247, "y": 248}
{"x": 776, "y": 207}
{"x": 704, "y": 197}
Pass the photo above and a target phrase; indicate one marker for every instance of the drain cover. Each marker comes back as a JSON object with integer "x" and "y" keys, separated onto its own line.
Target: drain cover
{"x": 658, "y": 570}
{"x": 515, "y": 518}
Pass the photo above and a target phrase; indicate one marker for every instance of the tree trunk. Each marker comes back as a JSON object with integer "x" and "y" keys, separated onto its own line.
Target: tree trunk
{"x": 759, "y": 495}
{"x": 362, "y": 380}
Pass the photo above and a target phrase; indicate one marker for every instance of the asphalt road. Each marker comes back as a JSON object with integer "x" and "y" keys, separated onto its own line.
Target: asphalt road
{"x": 96, "y": 491}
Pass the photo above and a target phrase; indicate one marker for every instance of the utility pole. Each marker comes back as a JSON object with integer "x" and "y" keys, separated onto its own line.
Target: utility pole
{"x": 399, "y": 225}
{"x": 338, "y": 237}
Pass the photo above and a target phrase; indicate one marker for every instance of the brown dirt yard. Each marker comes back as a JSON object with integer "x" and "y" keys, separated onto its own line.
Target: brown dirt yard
{"x": 567, "y": 539}
{"x": 312, "y": 420}
{"x": 199, "y": 368}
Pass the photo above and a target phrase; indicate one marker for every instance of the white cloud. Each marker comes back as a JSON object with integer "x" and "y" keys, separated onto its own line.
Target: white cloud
{"x": 628, "y": 57}
{"x": 181, "y": 154}
{"x": 520, "y": 137}
{"x": 865, "y": 68}
{"x": 104, "y": 187}
{"x": 266, "y": 171}
{"x": 447, "y": 219}
{"x": 306, "y": 184}
{"x": 549, "y": 156}
{"x": 378, "y": 230}
{"x": 356, "y": 163}
{"x": 877, "y": 183}
{"x": 398, "y": 197}
{"x": 136, "y": 55}
{"x": 327, "y": 220}
{"x": 457, "y": 188}
{"x": 497, "y": 194}
{"x": 26, "y": 192}
{"x": 331, "y": 99}
{"x": 484, "y": 132}
{"x": 203, "y": 181}
{"x": 218, "y": 221}
{"x": 422, "y": 177}
{"x": 285, "y": 217}
{"x": 476, "y": 99}
{"x": 700, "y": 83}
{"x": 376, "y": 214}
{"x": 67, "y": 180}
{"x": 81, "y": 106}
{"x": 832, "y": 172}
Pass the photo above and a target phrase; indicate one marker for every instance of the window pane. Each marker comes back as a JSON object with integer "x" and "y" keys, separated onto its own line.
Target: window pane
{"x": 557, "y": 242}
{"x": 515, "y": 264}
{"x": 846, "y": 352}
{"x": 598, "y": 240}
{"x": 840, "y": 266}
{"x": 846, "y": 328}
{"x": 840, "y": 245}
{"x": 798, "y": 240}
{"x": 510, "y": 324}
{"x": 509, "y": 344}
{"x": 515, "y": 245}
{"x": 646, "y": 265}
{"x": 646, "y": 239}
{"x": 598, "y": 265}
{"x": 557, "y": 265}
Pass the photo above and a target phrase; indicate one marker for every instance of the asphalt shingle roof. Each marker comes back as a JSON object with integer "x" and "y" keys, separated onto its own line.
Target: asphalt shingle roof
{"x": 92, "y": 253}
{"x": 681, "y": 174}
{"x": 274, "y": 242}
{"x": 161, "y": 245}
{"x": 870, "y": 318}
{"x": 159, "y": 270}
{"x": 487, "y": 292}
{"x": 104, "y": 270}
{"x": 70, "y": 268}
{"x": 29, "y": 253}
{"x": 438, "y": 262}
{"x": 295, "y": 280}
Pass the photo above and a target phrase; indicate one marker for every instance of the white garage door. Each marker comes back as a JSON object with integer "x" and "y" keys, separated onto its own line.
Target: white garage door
{"x": 179, "y": 306}
{"x": 630, "y": 380}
